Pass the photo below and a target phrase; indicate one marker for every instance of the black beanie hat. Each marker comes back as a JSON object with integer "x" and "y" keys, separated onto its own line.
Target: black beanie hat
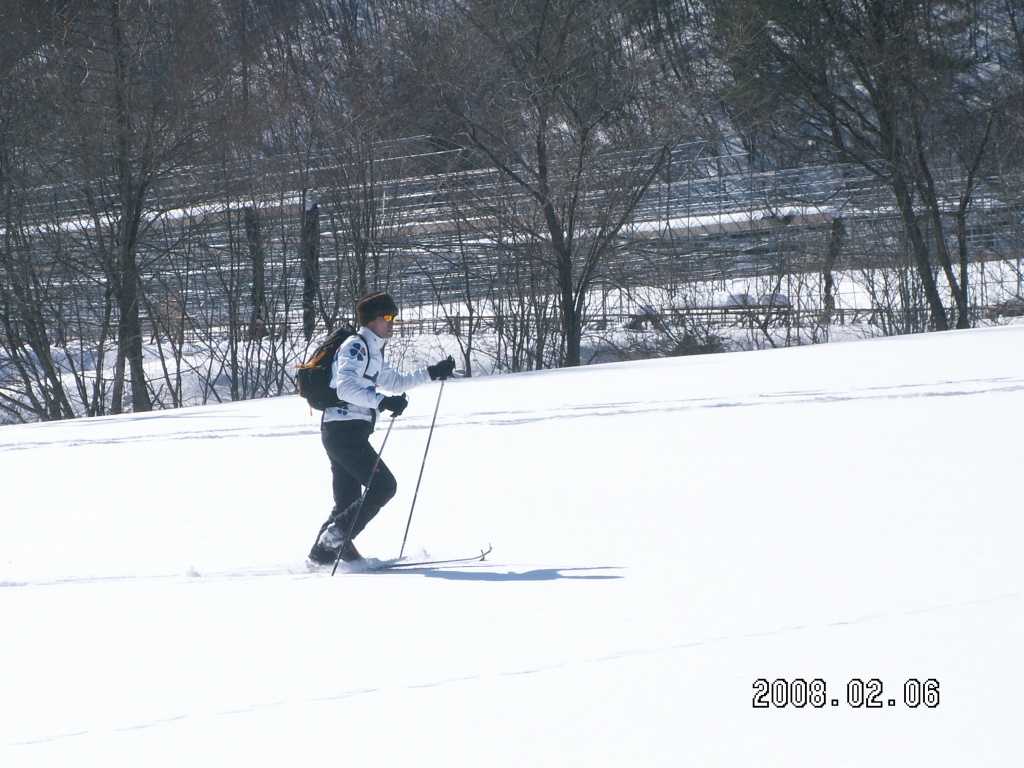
{"x": 374, "y": 305}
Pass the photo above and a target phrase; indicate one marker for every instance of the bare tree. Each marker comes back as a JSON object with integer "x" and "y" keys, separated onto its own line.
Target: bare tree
{"x": 556, "y": 97}
{"x": 140, "y": 82}
{"x": 892, "y": 86}
{"x": 32, "y": 285}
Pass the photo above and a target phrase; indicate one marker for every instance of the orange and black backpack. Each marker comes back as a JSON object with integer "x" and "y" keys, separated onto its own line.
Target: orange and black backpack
{"x": 314, "y": 376}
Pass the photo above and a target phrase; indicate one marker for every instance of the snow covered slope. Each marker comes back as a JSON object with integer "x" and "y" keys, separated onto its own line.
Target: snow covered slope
{"x": 665, "y": 534}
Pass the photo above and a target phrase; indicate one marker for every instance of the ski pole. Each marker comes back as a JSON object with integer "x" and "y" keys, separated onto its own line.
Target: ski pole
{"x": 355, "y": 515}
{"x": 420, "y": 478}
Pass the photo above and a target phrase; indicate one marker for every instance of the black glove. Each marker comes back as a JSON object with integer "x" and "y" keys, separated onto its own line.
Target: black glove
{"x": 442, "y": 369}
{"x": 394, "y": 403}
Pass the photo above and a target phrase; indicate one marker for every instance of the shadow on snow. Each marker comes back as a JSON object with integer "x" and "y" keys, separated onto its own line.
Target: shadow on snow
{"x": 539, "y": 574}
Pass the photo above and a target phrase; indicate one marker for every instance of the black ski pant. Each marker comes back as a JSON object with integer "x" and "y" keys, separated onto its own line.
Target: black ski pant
{"x": 352, "y": 458}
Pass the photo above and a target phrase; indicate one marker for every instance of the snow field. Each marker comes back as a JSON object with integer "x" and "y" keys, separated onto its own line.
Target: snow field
{"x": 665, "y": 534}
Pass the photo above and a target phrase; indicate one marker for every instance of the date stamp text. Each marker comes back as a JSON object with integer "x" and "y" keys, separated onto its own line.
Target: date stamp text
{"x": 858, "y": 694}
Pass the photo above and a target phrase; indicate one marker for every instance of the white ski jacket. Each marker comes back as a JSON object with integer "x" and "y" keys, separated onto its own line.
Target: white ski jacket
{"x": 358, "y": 370}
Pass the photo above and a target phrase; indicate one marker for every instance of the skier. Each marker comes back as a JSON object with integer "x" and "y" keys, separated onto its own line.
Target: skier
{"x": 358, "y": 369}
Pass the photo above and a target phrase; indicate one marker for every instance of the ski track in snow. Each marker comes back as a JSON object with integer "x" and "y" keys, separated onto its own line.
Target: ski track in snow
{"x": 473, "y": 571}
{"x": 509, "y": 417}
{"x": 964, "y": 388}
{"x": 536, "y": 670}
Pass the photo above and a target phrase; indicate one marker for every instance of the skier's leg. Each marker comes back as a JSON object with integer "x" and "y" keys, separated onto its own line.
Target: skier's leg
{"x": 341, "y": 440}
{"x": 380, "y": 492}
{"x": 346, "y": 489}
{"x": 351, "y": 451}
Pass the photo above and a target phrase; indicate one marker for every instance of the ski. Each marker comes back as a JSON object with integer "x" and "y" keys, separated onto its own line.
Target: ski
{"x": 390, "y": 565}
{"x": 373, "y": 565}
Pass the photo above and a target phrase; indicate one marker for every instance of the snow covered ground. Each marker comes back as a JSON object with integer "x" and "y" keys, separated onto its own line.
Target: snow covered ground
{"x": 666, "y": 533}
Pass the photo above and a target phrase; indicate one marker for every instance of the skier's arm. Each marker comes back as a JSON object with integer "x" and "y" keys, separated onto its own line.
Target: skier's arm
{"x": 391, "y": 380}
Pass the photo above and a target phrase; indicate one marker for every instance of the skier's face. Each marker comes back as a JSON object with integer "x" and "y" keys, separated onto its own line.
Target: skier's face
{"x": 383, "y": 326}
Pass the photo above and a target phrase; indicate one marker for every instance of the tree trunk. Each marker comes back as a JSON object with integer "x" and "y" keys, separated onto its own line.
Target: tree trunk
{"x": 132, "y": 193}
{"x": 836, "y": 235}
{"x": 254, "y": 238}
{"x": 919, "y": 249}
{"x": 309, "y": 255}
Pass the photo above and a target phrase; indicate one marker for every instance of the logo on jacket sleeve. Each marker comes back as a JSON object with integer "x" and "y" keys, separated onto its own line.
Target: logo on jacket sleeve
{"x": 357, "y": 352}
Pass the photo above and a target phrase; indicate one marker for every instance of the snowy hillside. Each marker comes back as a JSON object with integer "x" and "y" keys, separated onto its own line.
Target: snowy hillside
{"x": 666, "y": 534}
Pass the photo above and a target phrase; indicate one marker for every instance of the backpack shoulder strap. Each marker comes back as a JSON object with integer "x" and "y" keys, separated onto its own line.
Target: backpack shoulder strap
{"x": 365, "y": 343}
